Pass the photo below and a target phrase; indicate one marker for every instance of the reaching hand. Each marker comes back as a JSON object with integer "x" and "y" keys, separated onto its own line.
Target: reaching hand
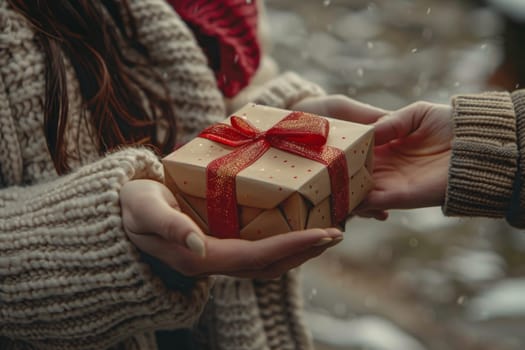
{"x": 153, "y": 222}
{"x": 412, "y": 151}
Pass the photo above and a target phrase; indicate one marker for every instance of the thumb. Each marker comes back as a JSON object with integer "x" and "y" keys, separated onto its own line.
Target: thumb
{"x": 398, "y": 124}
{"x": 159, "y": 214}
{"x": 175, "y": 226}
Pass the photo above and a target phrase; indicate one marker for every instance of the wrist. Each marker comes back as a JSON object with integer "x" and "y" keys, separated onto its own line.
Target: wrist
{"x": 172, "y": 279}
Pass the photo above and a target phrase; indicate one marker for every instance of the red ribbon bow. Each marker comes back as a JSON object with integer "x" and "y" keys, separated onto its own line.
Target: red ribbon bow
{"x": 299, "y": 133}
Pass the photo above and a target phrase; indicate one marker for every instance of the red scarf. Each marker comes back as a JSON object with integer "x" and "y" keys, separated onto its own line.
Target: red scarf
{"x": 227, "y": 32}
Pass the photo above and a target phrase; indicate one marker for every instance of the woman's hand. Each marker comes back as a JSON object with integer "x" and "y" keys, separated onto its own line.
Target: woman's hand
{"x": 153, "y": 221}
{"x": 412, "y": 151}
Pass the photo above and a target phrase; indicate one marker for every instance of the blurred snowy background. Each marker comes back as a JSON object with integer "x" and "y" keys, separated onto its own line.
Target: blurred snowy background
{"x": 419, "y": 281}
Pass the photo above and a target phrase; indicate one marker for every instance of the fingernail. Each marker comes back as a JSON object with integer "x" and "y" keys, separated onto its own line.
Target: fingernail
{"x": 323, "y": 241}
{"x": 195, "y": 243}
{"x": 337, "y": 240}
{"x": 333, "y": 231}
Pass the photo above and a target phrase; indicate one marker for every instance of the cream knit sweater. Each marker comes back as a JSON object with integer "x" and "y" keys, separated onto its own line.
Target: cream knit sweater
{"x": 69, "y": 277}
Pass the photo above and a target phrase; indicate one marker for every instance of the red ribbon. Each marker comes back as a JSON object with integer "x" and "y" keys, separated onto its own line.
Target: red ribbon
{"x": 299, "y": 133}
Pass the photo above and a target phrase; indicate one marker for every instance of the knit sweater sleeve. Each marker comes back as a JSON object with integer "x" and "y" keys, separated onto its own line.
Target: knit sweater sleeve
{"x": 282, "y": 91}
{"x": 253, "y": 314}
{"x": 181, "y": 63}
{"x": 484, "y": 160}
{"x": 69, "y": 277}
{"x": 516, "y": 214}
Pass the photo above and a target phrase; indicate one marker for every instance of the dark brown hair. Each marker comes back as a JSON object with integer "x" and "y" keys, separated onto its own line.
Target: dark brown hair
{"x": 87, "y": 32}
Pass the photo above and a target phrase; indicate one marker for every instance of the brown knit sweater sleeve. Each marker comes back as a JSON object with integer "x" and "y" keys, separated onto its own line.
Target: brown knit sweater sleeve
{"x": 484, "y": 156}
{"x": 69, "y": 277}
{"x": 516, "y": 214}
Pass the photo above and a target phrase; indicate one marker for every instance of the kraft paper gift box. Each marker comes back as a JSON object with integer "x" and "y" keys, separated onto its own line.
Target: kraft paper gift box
{"x": 279, "y": 191}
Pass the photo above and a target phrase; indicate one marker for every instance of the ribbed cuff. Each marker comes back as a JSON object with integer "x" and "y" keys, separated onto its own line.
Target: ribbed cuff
{"x": 235, "y": 321}
{"x": 281, "y": 305}
{"x": 70, "y": 277}
{"x": 286, "y": 90}
{"x": 484, "y": 156}
{"x": 516, "y": 213}
{"x": 255, "y": 314}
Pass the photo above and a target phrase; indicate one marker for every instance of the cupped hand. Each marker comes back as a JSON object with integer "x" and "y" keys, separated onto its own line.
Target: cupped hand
{"x": 154, "y": 223}
{"x": 412, "y": 151}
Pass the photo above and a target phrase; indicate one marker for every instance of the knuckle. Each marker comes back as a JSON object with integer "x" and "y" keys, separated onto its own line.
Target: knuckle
{"x": 259, "y": 262}
{"x": 421, "y": 105}
{"x": 170, "y": 229}
{"x": 174, "y": 226}
{"x": 337, "y": 101}
{"x": 339, "y": 97}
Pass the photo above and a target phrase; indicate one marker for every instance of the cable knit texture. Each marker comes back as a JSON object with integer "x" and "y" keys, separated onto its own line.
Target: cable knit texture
{"x": 69, "y": 277}
{"x": 258, "y": 315}
{"x": 286, "y": 90}
{"x": 484, "y": 156}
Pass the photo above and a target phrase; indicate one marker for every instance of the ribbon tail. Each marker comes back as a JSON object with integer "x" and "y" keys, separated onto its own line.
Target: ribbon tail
{"x": 223, "y": 214}
{"x": 335, "y": 161}
{"x": 339, "y": 183}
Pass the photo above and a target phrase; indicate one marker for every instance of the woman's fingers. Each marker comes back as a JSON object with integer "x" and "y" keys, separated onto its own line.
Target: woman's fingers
{"x": 345, "y": 108}
{"x": 175, "y": 227}
{"x": 380, "y": 200}
{"x": 400, "y": 123}
{"x": 161, "y": 216}
{"x": 380, "y": 215}
{"x": 162, "y": 231}
{"x": 235, "y": 254}
{"x": 370, "y": 208}
{"x": 341, "y": 107}
{"x": 392, "y": 127}
{"x": 280, "y": 267}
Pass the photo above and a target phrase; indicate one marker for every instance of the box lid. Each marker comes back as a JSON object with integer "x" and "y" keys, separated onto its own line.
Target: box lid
{"x": 277, "y": 174}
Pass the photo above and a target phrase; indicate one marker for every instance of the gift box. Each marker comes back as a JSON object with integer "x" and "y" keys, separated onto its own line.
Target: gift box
{"x": 266, "y": 171}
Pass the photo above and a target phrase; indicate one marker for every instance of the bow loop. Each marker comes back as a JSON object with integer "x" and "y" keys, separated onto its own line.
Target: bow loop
{"x": 297, "y": 127}
{"x": 300, "y": 127}
{"x": 225, "y": 134}
{"x": 244, "y": 127}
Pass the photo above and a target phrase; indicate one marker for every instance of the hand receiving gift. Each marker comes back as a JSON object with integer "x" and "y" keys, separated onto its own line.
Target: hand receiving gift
{"x": 412, "y": 151}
